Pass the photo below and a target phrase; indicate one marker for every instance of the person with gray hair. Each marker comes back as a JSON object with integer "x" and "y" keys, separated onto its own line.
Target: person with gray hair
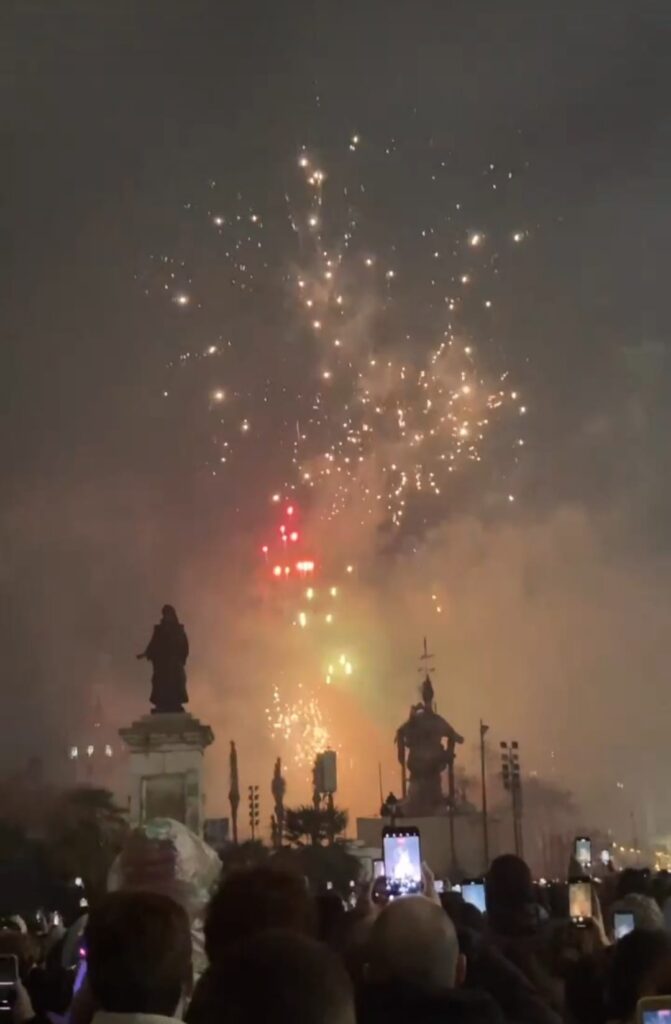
{"x": 415, "y": 970}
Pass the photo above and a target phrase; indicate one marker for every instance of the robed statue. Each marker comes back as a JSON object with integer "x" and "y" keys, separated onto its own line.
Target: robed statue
{"x": 167, "y": 651}
{"x": 426, "y": 747}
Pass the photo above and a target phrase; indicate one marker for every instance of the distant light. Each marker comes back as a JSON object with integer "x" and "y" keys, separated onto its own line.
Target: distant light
{"x": 369, "y": 261}
{"x": 309, "y": 593}
{"x": 182, "y": 299}
{"x": 302, "y": 620}
{"x": 79, "y": 882}
{"x": 329, "y": 618}
{"x": 89, "y": 750}
{"x": 293, "y": 537}
{"x": 333, "y": 591}
{"x": 303, "y": 161}
{"x": 476, "y": 238}
{"x": 313, "y": 221}
{"x": 244, "y": 426}
{"x": 518, "y": 236}
{"x": 290, "y": 510}
{"x": 218, "y": 221}
{"x": 218, "y": 396}
{"x": 212, "y": 350}
{"x": 74, "y": 753}
{"x": 83, "y": 902}
{"x": 511, "y": 497}
{"x": 350, "y": 568}
{"x": 108, "y": 750}
{"x": 275, "y": 497}
{"x": 264, "y": 549}
{"x": 277, "y": 570}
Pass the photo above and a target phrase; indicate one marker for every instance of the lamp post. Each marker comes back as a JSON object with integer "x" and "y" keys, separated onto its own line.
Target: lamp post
{"x": 512, "y": 781}
{"x": 485, "y": 821}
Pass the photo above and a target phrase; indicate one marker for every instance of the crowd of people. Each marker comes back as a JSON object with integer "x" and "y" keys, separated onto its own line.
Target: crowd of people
{"x": 278, "y": 952}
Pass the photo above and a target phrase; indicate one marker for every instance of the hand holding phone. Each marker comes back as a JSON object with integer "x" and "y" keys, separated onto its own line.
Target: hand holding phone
{"x": 580, "y": 901}
{"x": 402, "y": 860}
{"x": 623, "y": 923}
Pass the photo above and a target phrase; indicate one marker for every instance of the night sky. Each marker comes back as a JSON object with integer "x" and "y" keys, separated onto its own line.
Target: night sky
{"x": 127, "y": 126}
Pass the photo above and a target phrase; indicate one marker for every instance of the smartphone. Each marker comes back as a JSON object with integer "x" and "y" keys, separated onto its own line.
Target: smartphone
{"x": 654, "y": 1010}
{"x": 623, "y": 923}
{"x": 439, "y": 886}
{"x": 378, "y": 868}
{"x": 582, "y": 852}
{"x": 402, "y": 860}
{"x": 580, "y": 901}
{"x": 9, "y": 977}
{"x": 473, "y": 892}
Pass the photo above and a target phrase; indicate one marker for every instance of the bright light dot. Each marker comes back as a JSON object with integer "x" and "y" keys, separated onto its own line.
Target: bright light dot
{"x": 212, "y": 350}
{"x": 219, "y": 395}
{"x": 333, "y": 591}
{"x": 275, "y": 497}
{"x": 348, "y": 669}
{"x": 369, "y": 261}
{"x": 290, "y": 510}
{"x": 355, "y": 140}
{"x": 309, "y": 593}
{"x": 389, "y": 274}
{"x": 329, "y": 618}
{"x": 182, "y": 299}
{"x": 523, "y": 409}
{"x": 317, "y": 324}
{"x": 511, "y": 497}
{"x": 488, "y": 303}
{"x": 466, "y": 389}
{"x": 244, "y": 426}
{"x": 518, "y": 236}
{"x": 264, "y": 549}
{"x": 475, "y": 239}
{"x": 293, "y": 537}
{"x": 350, "y": 568}
{"x": 327, "y": 374}
{"x": 465, "y": 278}
{"x": 218, "y": 221}
{"x": 277, "y": 570}
{"x": 303, "y": 162}
{"x": 302, "y": 620}
{"x": 313, "y": 221}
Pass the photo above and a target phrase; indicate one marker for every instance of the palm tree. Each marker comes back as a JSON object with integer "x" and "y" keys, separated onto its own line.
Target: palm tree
{"x": 316, "y": 826}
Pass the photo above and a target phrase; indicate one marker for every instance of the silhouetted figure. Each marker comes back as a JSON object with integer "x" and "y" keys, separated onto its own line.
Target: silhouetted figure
{"x": 167, "y": 651}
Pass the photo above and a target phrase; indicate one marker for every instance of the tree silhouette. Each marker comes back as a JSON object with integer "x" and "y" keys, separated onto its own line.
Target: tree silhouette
{"x": 84, "y": 833}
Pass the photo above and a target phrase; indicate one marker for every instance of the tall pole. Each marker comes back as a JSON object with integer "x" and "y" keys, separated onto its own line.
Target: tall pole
{"x": 485, "y": 820}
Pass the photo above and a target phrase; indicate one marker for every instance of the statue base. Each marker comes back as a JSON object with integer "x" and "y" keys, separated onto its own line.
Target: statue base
{"x": 467, "y": 859}
{"x": 166, "y": 768}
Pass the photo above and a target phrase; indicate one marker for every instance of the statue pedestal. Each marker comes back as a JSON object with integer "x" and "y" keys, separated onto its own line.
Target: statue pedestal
{"x": 166, "y": 768}
{"x": 435, "y": 841}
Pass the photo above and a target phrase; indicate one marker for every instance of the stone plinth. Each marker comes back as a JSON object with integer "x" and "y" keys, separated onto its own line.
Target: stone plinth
{"x": 166, "y": 768}
{"x": 435, "y": 841}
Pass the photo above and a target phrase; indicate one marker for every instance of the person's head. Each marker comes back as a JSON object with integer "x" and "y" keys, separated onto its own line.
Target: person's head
{"x": 646, "y": 912}
{"x": 168, "y": 614}
{"x": 274, "y": 977}
{"x": 632, "y": 880}
{"x": 413, "y": 942}
{"x": 510, "y": 894}
{"x": 139, "y": 953}
{"x": 255, "y": 899}
{"x": 636, "y": 960}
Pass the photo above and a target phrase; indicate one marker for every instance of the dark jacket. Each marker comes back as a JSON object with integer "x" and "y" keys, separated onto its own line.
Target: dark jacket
{"x": 488, "y": 970}
{"x": 400, "y": 1004}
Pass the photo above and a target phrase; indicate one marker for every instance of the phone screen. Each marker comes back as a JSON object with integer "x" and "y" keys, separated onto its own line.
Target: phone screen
{"x": 474, "y": 893}
{"x": 658, "y": 1016}
{"x": 9, "y": 970}
{"x": 378, "y": 868}
{"x": 623, "y": 923}
{"x": 583, "y": 851}
{"x": 402, "y": 860}
{"x": 580, "y": 900}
